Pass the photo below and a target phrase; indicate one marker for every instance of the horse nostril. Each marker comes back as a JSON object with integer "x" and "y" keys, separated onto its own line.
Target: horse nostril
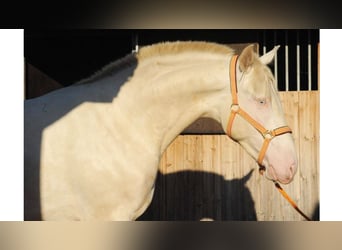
{"x": 293, "y": 169}
{"x": 291, "y": 173}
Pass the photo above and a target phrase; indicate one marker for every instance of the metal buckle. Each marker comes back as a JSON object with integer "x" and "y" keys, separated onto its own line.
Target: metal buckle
{"x": 262, "y": 169}
{"x": 235, "y": 108}
{"x": 268, "y": 134}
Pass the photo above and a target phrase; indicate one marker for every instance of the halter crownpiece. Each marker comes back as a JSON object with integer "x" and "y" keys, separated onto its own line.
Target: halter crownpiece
{"x": 235, "y": 109}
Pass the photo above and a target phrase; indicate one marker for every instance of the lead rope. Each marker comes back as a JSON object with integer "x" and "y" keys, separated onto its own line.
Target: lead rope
{"x": 285, "y": 195}
{"x": 268, "y": 135}
{"x": 288, "y": 198}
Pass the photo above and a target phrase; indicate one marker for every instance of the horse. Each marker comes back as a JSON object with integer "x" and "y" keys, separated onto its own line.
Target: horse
{"x": 92, "y": 149}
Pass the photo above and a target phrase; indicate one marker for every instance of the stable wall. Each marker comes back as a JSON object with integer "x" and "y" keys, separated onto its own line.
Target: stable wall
{"x": 208, "y": 176}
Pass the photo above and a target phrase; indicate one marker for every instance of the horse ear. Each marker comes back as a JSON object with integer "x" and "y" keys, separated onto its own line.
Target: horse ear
{"x": 247, "y": 176}
{"x": 269, "y": 56}
{"x": 247, "y": 58}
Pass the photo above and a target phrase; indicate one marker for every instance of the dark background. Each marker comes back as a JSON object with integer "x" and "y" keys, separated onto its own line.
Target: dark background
{"x": 68, "y": 56}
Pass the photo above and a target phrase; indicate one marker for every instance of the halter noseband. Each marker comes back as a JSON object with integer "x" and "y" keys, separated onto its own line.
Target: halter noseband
{"x": 268, "y": 135}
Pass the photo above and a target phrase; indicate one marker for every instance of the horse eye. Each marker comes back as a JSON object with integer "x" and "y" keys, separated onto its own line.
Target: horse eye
{"x": 262, "y": 101}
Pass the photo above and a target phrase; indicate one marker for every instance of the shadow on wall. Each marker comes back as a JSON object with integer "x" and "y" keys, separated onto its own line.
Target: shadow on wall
{"x": 315, "y": 214}
{"x": 195, "y": 195}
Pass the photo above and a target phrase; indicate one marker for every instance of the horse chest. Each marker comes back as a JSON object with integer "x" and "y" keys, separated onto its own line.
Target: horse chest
{"x": 87, "y": 171}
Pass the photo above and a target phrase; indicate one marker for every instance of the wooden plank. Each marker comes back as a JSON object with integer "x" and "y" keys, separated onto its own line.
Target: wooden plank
{"x": 290, "y": 102}
{"x": 309, "y": 148}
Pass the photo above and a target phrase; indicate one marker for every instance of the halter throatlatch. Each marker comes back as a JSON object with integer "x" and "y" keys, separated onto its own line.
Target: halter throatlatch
{"x": 235, "y": 108}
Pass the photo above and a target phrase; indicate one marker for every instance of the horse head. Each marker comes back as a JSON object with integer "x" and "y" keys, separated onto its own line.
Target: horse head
{"x": 257, "y": 120}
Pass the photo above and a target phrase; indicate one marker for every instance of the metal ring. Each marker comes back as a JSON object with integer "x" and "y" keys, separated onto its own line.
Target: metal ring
{"x": 268, "y": 134}
{"x": 235, "y": 108}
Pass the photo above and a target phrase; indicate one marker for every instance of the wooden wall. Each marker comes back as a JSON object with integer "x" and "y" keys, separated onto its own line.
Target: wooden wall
{"x": 212, "y": 177}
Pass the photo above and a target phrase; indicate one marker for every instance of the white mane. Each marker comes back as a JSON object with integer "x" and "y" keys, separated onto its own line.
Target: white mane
{"x": 111, "y": 68}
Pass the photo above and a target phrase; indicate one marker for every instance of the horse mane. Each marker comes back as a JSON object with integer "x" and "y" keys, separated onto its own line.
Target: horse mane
{"x": 111, "y": 68}
{"x": 158, "y": 49}
{"x": 165, "y": 48}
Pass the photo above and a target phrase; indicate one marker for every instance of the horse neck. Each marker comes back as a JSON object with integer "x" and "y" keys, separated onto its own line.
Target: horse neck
{"x": 167, "y": 93}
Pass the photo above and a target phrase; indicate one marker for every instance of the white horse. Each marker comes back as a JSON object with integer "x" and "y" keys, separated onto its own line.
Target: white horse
{"x": 92, "y": 150}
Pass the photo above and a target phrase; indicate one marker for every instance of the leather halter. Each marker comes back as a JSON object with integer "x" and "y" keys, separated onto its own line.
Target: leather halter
{"x": 268, "y": 135}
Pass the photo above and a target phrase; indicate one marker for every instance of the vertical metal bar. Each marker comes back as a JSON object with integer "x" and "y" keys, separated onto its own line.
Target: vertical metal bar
{"x": 135, "y": 46}
{"x": 298, "y": 61}
{"x": 309, "y": 67}
{"x": 276, "y": 68}
{"x": 264, "y": 43}
{"x": 298, "y": 67}
{"x": 286, "y": 62}
{"x": 309, "y": 62}
{"x": 286, "y": 67}
{"x": 275, "y": 60}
